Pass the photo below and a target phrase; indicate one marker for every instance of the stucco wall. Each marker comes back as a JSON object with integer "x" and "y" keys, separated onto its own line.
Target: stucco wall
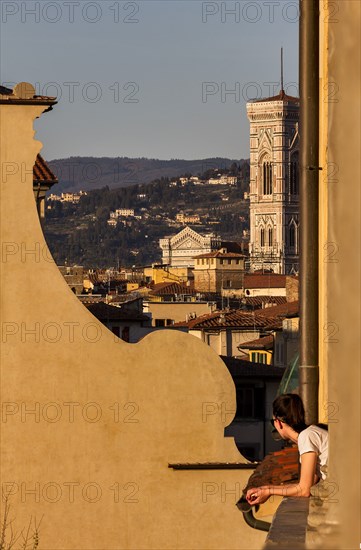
{"x": 107, "y": 416}
{"x": 340, "y": 266}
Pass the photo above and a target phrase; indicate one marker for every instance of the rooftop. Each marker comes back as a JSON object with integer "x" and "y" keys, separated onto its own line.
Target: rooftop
{"x": 42, "y": 172}
{"x": 264, "y": 280}
{"x": 281, "y": 96}
{"x": 165, "y": 289}
{"x": 261, "y": 302}
{"x": 289, "y": 309}
{"x": 266, "y": 342}
{"x": 104, "y": 312}
{"x": 232, "y": 318}
{"x": 24, "y": 92}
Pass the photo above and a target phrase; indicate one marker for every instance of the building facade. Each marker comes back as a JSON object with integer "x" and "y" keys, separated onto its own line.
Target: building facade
{"x": 180, "y": 249}
{"x": 274, "y": 185}
{"x": 219, "y": 270}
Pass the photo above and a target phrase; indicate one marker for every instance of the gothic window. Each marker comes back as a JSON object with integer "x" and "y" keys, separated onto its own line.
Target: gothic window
{"x": 294, "y": 175}
{"x": 267, "y": 177}
{"x": 292, "y": 236}
{"x": 262, "y": 237}
{"x": 270, "y": 236}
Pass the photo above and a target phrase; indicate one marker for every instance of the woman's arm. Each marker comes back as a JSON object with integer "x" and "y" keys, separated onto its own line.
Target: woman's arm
{"x": 258, "y": 495}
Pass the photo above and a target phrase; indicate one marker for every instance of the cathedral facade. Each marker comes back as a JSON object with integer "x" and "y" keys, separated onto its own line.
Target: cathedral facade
{"x": 274, "y": 184}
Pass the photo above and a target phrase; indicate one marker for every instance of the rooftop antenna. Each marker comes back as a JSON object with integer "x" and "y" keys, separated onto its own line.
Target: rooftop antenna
{"x": 282, "y": 90}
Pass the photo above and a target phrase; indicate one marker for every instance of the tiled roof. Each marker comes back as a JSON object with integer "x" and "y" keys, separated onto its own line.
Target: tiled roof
{"x": 282, "y": 96}
{"x": 276, "y": 469}
{"x": 164, "y": 289}
{"x": 266, "y": 342}
{"x": 232, "y": 318}
{"x": 240, "y": 368}
{"x": 104, "y": 312}
{"x": 42, "y": 172}
{"x": 264, "y": 280}
{"x": 289, "y": 309}
{"x": 219, "y": 254}
{"x": 264, "y": 301}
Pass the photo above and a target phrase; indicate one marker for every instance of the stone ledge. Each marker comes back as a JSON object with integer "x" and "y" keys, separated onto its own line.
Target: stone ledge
{"x": 289, "y": 525}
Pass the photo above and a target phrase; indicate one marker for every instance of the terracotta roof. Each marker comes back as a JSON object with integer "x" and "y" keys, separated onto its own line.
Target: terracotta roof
{"x": 264, "y": 280}
{"x": 241, "y": 368}
{"x": 232, "y": 318}
{"x": 42, "y": 172}
{"x": 289, "y": 309}
{"x": 266, "y": 342}
{"x": 260, "y": 302}
{"x": 219, "y": 254}
{"x": 104, "y": 312}
{"x": 276, "y": 469}
{"x": 164, "y": 289}
{"x": 282, "y": 96}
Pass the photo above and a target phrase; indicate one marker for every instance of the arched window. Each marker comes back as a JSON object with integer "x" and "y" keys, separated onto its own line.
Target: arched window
{"x": 294, "y": 175}
{"x": 262, "y": 237}
{"x": 267, "y": 178}
{"x": 270, "y": 236}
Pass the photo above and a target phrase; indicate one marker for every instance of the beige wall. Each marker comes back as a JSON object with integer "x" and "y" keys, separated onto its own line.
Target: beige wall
{"x": 340, "y": 265}
{"x": 109, "y": 416}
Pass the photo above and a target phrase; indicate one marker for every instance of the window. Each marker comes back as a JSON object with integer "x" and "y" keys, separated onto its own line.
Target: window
{"x": 294, "y": 175}
{"x": 258, "y": 357}
{"x": 292, "y": 235}
{"x": 250, "y": 402}
{"x": 229, "y": 262}
{"x": 267, "y": 178}
{"x": 262, "y": 237}
{"x": 270, "y": 236}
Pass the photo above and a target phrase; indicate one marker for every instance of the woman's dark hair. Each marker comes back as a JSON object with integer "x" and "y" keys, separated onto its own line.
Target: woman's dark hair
{"x": 289, "y": 408}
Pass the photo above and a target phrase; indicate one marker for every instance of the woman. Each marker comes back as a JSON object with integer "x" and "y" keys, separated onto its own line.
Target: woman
{"x": 312, "y": 441}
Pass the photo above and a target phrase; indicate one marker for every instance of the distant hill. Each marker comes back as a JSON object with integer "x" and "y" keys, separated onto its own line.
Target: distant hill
{"x": 87, "y": 173}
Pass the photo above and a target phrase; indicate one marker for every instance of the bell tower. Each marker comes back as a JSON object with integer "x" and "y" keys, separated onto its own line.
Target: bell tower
{"x": 274, "y": 183}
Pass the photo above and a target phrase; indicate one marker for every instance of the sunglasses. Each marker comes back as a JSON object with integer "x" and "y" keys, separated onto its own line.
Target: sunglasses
{"x": 273, "y": 421}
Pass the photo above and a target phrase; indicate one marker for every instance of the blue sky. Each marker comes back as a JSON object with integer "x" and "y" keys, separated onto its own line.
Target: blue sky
{"x": 149, "y": 78}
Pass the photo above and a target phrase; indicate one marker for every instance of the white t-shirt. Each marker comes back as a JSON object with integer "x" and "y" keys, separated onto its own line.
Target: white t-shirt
{"x": 314, "y": 439}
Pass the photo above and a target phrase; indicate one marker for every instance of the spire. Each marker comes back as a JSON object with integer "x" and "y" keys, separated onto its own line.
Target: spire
{"x": 282, "y": 92}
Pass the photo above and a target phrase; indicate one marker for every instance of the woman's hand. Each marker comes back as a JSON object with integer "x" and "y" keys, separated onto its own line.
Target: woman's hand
{"x": 258, "y": 495}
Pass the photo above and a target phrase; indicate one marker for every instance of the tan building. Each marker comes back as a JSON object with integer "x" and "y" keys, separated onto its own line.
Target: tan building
{"x": 188, "y": 218}
{"x": 218, "y": 270}
{"x": 167, "y": 274}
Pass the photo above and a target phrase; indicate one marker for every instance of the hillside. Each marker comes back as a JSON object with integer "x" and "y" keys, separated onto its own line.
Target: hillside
{"x": 87, "y": 173}
{"x": 86, "y": 233}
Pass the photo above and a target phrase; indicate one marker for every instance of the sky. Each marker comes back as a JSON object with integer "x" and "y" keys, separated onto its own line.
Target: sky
{"x": 157, "y": 79}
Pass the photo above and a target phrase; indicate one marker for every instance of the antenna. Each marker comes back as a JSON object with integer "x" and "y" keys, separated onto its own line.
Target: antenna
{"x": 282, "y": 70}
